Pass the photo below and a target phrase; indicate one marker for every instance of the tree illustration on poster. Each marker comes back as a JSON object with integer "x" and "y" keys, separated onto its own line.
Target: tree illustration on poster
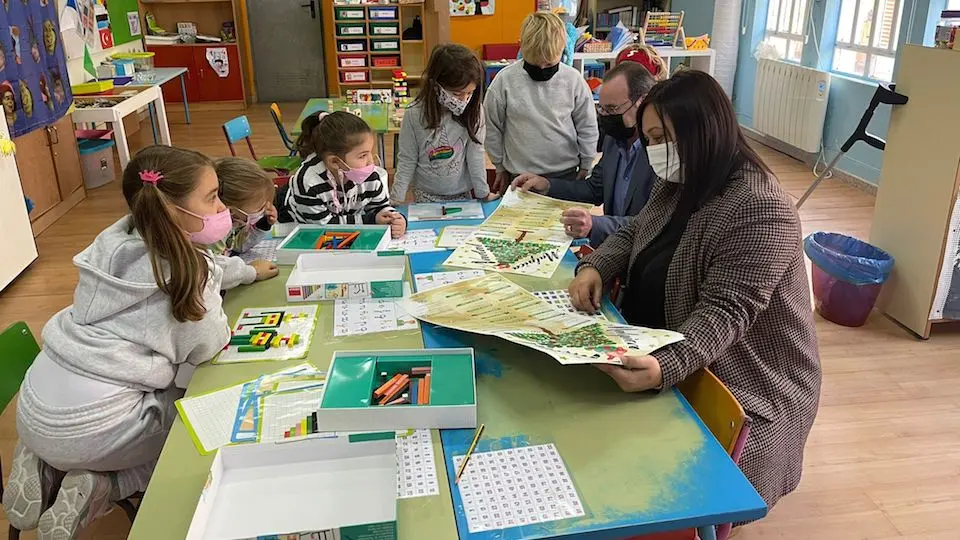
{"x": 34, "y": 86}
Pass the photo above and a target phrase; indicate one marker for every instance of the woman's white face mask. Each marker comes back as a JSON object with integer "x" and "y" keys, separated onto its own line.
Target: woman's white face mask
{"x": 664, "y": 161}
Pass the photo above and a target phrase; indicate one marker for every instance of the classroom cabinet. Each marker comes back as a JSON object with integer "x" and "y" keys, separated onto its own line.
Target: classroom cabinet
{"x": 50, "y": 173}
{"x": 202, "y": 81}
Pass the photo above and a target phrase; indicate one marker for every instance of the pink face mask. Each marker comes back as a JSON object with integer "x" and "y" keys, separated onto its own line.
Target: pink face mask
{"x": 254, "y": 218}
{"x": 215, "y": 228}
{"x": 357, "y": 176}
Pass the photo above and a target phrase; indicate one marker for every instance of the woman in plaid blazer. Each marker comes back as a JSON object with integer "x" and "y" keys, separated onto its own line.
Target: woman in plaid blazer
{"x": 715, "y": 254}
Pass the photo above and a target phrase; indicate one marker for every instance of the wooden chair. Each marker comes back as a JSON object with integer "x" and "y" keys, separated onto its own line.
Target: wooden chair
{"x": 284, "y": 136}
{"x": 18, "y": 349}
{"x": 239, "y": 129}
{"x": 727, "y": 421}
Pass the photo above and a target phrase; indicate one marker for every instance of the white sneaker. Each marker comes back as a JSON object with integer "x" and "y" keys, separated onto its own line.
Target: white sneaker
{"x": 29, "y": 490}
{"x": 84, "y": 496}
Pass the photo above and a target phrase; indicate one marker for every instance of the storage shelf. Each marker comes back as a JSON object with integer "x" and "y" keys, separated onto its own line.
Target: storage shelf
{"x": 199, "y": 44}
{"x": 353, "y": 68}
{"x": 368, "y": 4}
{"x": 183, "y": 1}
{"x": 411, "y": 41}
{"x": 395, "y": 68}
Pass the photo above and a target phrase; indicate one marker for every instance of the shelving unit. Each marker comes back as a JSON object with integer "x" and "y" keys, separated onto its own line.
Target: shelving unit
{"x": 368, "y": 45}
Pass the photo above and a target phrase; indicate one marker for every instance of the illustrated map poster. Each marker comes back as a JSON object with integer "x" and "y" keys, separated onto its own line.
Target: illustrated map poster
{"x": 272, "y": 333}
{"x": 523, "y": 236}
{"x": 493, "y": 305}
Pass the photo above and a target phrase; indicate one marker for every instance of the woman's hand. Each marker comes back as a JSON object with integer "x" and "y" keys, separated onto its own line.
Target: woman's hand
{"x": 637, "y": 374}
{"x": 265, "y": 269}
{"x": 585, "y": 290}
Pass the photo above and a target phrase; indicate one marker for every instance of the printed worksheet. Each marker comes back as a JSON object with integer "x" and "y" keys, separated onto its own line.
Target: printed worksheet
{"x": 251, "y": 407}
{"x": 272, "y": 333}
{"x": 523, "y": 236}
{"x": 561, "y": 300}
{"x": 265, "y": 249}
{"x": 516, "y": 487}
{"x": 445, "y": 211}
{"x": 493, "y": 305}
{"x": 416, "y": 465}
{"x": 290, "y": 415}
{"x": 356, "y": 316}
{"x": 432, "y": 280}
{"x": 417, "y": 241}
{"x": 209, "y": 417}
{"x": 453, "y": 236}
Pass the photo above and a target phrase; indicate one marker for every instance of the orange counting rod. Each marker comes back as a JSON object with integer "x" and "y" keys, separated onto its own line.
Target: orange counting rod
{"x": 395, "y": 390}
{"x": 346, "y": 242}
{"x": 378, "y": 393}
{"x": 425, "y": 394}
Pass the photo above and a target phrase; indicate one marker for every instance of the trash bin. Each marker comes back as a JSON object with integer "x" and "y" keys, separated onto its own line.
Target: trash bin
{"x": 847, "y": 276}
{"x": 96, "y": 161}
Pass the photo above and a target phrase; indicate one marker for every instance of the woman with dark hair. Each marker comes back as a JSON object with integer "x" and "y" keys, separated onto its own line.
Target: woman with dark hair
{"x": 715, "y": 254}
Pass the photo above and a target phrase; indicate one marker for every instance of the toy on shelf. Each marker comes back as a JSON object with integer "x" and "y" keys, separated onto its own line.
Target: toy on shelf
{"x": 401, "y": 94}
{"x": 663, "y": 29}
{"x": 697, "y": 43}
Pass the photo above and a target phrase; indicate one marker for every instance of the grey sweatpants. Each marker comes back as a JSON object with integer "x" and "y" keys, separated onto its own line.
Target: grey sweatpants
{"x": 128, "y": 444}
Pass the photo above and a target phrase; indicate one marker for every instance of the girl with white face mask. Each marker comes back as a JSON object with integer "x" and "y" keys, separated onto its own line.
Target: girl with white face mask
{"x": 715, "y": 255}
{"x": 440, "y": 152}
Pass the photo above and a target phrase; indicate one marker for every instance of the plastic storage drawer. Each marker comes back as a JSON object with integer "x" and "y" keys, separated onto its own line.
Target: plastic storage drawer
{"x": 385, "y": 45}
{"x": 351, "y": 29}
{"x": 352, "y": 61}
{"x": 354, "y": 76}
{"x": 384, "y": 29}
{"x": 383, "y": 12}
{"x": 352, "y": 45}
{"x": 349, "y": 13}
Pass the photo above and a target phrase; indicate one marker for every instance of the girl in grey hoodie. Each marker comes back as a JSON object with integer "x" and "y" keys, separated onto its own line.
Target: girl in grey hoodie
{"x": 98, "y": 401}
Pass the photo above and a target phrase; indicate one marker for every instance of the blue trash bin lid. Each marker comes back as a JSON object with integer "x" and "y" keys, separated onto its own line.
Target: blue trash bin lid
{"x": 89, "y": 146}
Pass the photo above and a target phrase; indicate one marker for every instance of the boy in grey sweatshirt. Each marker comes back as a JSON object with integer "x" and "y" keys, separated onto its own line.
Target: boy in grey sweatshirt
{"x": 540, "y": 113}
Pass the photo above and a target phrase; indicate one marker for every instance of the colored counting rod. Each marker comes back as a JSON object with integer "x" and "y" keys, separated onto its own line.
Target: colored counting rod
{"x": 405, "y": 388}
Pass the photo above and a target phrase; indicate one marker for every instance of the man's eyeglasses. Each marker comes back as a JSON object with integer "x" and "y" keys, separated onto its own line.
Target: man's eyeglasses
{"x": 615, "y": 109}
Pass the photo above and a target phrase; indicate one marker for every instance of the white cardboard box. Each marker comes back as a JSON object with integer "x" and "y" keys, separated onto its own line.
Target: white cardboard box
{"x": 318, "y": 276}
{"x": 343, "y": 487}
{"x": 293, "y": 246}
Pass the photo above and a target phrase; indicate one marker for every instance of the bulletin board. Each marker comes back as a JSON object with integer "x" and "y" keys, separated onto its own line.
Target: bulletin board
{"x": 125, "y": 21}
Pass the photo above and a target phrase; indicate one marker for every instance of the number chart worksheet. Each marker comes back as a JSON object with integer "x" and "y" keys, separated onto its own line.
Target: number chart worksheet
{"x": 523, "y": 236}
{"x": 356, "y": 316}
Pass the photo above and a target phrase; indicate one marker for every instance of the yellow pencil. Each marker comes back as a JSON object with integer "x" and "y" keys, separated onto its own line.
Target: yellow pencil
{"x": 466, "y": 458}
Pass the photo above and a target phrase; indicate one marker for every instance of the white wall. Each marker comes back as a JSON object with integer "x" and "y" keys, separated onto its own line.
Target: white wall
{"x": 75, "y": 65}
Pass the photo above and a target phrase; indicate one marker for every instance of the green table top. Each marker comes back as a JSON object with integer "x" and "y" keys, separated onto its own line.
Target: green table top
{"x": 377, "y": 115}
{"x": 181, "y": 472}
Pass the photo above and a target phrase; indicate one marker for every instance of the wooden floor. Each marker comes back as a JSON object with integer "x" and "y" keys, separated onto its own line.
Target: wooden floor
{"x": 883, "y": 460}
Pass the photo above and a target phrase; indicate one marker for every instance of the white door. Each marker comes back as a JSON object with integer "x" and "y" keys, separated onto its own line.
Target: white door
{"x": 19, "y": 249}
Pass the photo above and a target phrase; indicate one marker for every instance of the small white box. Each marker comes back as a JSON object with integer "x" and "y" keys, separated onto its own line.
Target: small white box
{"x": 346, "y": 486}
{"x": 322, "y": 276}
{"x": 301, "y": 240}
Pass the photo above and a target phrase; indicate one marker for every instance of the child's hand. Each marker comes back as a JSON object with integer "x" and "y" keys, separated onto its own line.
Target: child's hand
{"x": 398, "y": 226}
{"x": 501, "y": 182}
{"x": 265, "y": 269}
{"x": 271, "y": 214}
{"x": 491, "y": 197}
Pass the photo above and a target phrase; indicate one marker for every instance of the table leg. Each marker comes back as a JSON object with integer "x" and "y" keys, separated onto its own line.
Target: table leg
{"x": 162, "y": 121}
{"x": 120, "y": 137}
{"x": 707, "y": 533}
{"x": 153, "y": 122}
{"x": 382, "y": 149}
{"x": 183, "y": 91}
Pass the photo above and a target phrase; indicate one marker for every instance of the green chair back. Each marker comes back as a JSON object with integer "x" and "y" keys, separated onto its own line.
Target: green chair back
{"x": 18, "y": 349}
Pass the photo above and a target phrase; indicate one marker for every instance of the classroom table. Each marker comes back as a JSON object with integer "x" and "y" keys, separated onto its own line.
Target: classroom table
{"x": 377, "y": 116}
{"x": 641, "y": 463}
{"x": 142, "y": 96}
{"x": 163, "y": 75}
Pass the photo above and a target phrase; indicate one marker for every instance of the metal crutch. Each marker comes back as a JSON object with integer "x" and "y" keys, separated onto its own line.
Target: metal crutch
{"x": 885, "y": 94}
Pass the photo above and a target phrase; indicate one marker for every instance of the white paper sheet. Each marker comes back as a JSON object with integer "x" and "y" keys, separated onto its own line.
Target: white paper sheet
{"x": 289, "y": 330}
{"x": 356, "y": 316}
{"x": 561, "y": 300}
{"x": 265, "y": 249}
{"x": 432, "y": 280}
{"x": 211, "y": 416}
{"x": 416, "y": 465}
{"x": 285, "y": 410}
{"x": 415, "y": 242}
{"x": 454, "y": 236}
{"x": 445, "y": 211}
{"x": 516, "y": 487}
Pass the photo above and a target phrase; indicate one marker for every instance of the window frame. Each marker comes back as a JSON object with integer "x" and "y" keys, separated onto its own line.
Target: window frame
{"x": 870, "y": 51}
{"x": 787, "y": 35}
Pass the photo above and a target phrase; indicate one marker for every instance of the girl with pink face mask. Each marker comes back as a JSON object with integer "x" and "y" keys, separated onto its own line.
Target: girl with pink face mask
{"x": 338, "y": 181}
{"x": 98, "y": 401}
{"x": 248, "y": 192}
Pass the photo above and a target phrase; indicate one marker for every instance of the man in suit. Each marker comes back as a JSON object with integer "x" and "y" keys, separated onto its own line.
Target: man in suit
{"x": 622, "y": 180}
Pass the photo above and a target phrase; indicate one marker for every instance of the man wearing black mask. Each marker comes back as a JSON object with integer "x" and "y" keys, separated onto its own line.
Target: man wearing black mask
{"x": 622, "y": 180}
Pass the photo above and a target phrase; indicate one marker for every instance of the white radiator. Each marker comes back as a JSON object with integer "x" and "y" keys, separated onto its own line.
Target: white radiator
{"x": 790, "y": 103}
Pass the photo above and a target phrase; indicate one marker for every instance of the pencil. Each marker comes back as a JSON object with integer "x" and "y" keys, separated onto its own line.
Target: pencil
{"x": 466, "y": 458}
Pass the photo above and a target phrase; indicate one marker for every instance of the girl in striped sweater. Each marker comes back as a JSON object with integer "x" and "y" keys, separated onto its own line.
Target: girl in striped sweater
{"x": 338, "y": 181}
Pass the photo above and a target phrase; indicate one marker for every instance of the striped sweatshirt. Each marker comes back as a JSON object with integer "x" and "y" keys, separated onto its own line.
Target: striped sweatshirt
{"x": 310, "y": 197}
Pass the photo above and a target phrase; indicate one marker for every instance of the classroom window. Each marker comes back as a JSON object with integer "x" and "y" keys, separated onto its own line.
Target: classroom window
{"x": 867, "y": 35}
{"x": 953, "y": 5}
{"x": 785, "y": 25}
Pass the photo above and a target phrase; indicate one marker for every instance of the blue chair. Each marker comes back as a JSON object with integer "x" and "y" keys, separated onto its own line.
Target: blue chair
{"x": 239, "y": 129}
{"x": 284, "y": 136}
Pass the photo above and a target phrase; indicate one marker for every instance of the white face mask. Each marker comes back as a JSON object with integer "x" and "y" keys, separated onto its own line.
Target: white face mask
{"x": 664, "y": 161}
{"x": 455, "y": 105}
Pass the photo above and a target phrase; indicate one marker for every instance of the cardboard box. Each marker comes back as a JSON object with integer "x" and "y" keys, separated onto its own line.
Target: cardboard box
{"x": 348, "y": 405}
{"x": 303, "y": 239}
{"x": 346, "y": 486}
{"x": 323, "y": 276}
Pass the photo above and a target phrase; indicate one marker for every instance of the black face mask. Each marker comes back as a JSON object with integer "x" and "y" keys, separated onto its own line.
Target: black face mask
{"x": 540, "y": 74}
{"x": 613, "y": 126}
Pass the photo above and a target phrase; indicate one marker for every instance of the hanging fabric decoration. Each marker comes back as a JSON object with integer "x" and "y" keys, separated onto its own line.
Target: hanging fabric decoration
{"x": 34, "y": 89}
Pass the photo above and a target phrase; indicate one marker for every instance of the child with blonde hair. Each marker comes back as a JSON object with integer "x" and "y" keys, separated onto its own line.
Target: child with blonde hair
{"x": 248, "y": 191}
{"x": 540, "y": 114}
{"x": 98, "y": 401}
